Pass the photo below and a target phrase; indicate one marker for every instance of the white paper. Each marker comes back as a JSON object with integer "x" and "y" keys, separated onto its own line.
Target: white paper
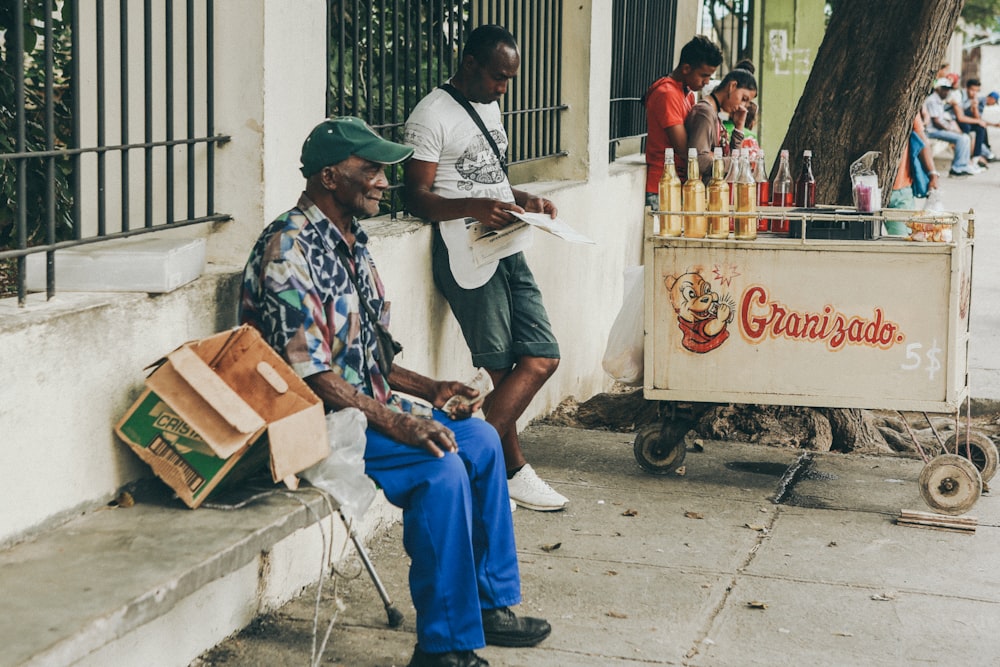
{"x": 554, "y": 226}
{"x": 489, "y": 245}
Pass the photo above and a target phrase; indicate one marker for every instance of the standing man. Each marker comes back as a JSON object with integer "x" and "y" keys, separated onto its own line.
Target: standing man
{"x": 457, "y": 179}
{"x": 668, "y": 102}
{"x": 311, "y": 288}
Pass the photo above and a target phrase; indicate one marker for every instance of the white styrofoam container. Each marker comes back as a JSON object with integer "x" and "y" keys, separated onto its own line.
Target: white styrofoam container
{"x": 128, "y": 265}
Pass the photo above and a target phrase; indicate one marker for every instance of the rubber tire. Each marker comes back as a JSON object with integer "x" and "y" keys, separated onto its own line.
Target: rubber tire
{"x": 983, "y": 452}
{"x": 659, "y": 451}
{"x": 950, "y": 484}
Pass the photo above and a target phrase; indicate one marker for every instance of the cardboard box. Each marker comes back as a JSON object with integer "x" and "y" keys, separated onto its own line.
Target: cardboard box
{"x": 129, "y": 265}
{"x": 216, "y": 409}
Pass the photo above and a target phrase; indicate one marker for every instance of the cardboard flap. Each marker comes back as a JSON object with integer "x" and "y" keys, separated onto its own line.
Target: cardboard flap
{"x": 220, "y": 416}
{"x": 298, "y": 441}
{"x": 215, "y": 392}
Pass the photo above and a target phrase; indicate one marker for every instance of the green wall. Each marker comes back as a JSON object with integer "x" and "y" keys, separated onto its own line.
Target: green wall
{"x": 790, "y": 32}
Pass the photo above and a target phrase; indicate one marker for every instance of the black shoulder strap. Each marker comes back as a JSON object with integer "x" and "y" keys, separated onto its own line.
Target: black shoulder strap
{"x": 460, "y": 98}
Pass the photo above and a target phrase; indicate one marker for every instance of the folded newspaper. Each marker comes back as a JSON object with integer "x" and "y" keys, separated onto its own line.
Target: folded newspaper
{"x": 554, "y": 226}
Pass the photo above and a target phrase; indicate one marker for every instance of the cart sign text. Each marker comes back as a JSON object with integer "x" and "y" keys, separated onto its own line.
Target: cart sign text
{"x": 761, "y": 317}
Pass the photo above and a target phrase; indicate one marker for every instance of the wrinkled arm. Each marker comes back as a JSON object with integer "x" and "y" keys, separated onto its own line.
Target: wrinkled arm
{"x": 426, "y": 434}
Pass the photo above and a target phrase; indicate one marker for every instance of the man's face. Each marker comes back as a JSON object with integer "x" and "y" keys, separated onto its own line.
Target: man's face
{"x": 942, "y": 92}
{"x": 696, "y": 78}
{"x": 487, "y": 82}
{"x": 972, "y": 91}
{"x": 356, "y": 185}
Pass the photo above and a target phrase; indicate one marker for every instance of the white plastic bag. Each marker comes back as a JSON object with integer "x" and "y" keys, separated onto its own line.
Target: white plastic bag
{"x": 623, "y": 357}
{"x": 342, "y": 473}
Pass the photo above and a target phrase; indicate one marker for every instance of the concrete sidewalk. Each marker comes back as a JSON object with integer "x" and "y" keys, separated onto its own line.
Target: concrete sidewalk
{"x": 700, "y": 569}
{"x": 981, "y": 193}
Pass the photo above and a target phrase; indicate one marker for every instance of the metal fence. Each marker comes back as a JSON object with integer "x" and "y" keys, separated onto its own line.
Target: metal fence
{"x": 107, "y": 119}
{"x": 642, "y": 46}
{"x": 385, "y": 55}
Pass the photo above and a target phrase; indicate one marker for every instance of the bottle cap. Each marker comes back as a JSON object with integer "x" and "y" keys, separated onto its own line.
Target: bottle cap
{"x": 692, "y": 152}
{"x": 807, "y": 153}
{"x": 784, "y": 152}
{"x": 717, "y": 152}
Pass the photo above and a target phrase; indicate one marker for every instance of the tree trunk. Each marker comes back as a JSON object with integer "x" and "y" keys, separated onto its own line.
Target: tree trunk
{"x": 871, "y": 74}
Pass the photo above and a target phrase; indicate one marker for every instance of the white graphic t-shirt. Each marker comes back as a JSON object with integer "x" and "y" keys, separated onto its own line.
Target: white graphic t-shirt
{"x": 441, "y": 131}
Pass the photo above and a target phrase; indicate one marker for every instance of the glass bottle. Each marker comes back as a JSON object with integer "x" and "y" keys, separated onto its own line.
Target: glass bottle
{"x": 763, "y": 188}
{"x": 782, "y": 193}
{"x": 718, "y": 198}
{"x": 695, "y": 226}
{"x": 734, "y": 160}
{"x": 805, "y": 184}
{"x": 670, "y": 196}
{"x": 746, "y": 200}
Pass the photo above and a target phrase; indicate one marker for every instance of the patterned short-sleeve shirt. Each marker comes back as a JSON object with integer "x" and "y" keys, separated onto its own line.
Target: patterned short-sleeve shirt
{"x": 298, "y": 294}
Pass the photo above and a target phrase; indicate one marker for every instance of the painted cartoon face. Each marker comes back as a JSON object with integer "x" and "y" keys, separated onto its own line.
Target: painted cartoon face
{"x": 692, "y": 297}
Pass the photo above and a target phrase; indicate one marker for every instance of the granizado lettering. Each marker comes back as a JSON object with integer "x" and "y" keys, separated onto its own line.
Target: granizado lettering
{"x": 762, "y": 317}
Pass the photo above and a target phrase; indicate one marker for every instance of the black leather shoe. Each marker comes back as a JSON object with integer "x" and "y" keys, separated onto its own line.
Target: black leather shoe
{"x": 503, "y": 628}
{"x": 449, "y": 659}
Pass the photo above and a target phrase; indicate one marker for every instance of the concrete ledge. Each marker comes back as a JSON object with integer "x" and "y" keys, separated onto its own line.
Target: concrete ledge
{"x": 101, "y": 586}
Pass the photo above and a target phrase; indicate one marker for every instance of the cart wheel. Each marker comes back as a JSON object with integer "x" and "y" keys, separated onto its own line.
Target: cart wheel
{"x": 982, "y": 452}
{"x": 659, "y": 451}
{"x": 950, "y": 484}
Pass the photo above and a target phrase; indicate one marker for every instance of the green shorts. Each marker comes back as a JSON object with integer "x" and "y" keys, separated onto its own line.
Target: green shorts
{"x": 504, "y": 319}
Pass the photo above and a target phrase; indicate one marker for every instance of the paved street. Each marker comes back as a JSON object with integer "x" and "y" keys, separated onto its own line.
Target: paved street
{"x": 704, "y": 569}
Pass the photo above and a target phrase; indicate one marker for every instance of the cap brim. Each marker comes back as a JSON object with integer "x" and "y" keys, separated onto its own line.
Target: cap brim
{"x": 384, "y": 152}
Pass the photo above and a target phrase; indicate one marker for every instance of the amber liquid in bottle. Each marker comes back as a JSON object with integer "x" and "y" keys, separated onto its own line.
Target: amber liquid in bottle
{"x": 763, "y": 189}
{"x": 670, "y": 196}
{"x": 718, "y": 199}
{"x": 746, "y": 202}
{"x": 693, "y": 196}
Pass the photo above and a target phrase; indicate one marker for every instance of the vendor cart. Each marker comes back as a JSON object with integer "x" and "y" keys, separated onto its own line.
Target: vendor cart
{"x": 832, "y": 316}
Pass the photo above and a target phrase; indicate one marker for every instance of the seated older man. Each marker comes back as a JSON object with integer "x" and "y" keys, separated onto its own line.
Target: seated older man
{"x": 312, "y": 289}
{"x": 943, "y": 126}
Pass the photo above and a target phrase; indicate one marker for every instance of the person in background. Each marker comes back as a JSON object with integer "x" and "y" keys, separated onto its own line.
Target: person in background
{"x": 956, "y": 103}
{"x": 704, "y": 128}
{"x": 668, "y": 101}
{"x": 304, "y": 287}
{"x": 915, "y": 177}
{"x": 943, "y": 126}
{"x": 973, "y": 105}
{"x": 458, "y": 181}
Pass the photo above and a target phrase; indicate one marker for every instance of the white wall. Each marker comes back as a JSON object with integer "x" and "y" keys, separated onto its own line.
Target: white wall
{"x": 73, "y": 365}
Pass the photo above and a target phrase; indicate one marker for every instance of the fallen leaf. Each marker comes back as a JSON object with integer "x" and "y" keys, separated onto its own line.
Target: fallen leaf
{"x": 832, "y": 544}
{"x": 842, "y": 634}
{"x": 630, "y": 512}
{"x": 616, "y": 614}
{"x": 757, "y": 604}
{"x": 694, "y": 515}
{"x": 680, "y": 472}
{"x": 759, "y": 527}
{"x": 123, "y": 499}
{"x": 884, "y": 596}
{"x": 550, "y": 547}
{"x": 611, "y": 573}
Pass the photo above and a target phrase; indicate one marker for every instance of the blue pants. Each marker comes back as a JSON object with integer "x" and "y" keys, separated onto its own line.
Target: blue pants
{"x": 457, "y": 530}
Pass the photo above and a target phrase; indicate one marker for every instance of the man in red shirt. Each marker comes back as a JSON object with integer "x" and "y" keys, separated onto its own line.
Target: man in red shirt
{"x": 668, "y": 102}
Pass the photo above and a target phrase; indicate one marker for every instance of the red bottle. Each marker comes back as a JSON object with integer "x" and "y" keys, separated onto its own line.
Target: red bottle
{"x": 805, "y": 184}
{"x": 782, "y": 193}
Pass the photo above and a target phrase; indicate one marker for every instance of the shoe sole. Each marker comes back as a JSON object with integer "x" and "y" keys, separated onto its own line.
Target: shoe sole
{"x": 541, "y": 508}
{"x": 507, "y": 642}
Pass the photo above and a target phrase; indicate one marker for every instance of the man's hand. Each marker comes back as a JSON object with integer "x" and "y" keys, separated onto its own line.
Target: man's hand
{"x": 463, "y": 409}
{"x": 425, "y": 434}
{"x": 494, "y": 213}
{"x": 533, "y": 204}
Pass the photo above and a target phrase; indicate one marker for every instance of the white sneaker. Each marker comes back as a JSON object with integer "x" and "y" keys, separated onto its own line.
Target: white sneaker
{"x": 528, "y": 490}
{"x": 513, "y": 506}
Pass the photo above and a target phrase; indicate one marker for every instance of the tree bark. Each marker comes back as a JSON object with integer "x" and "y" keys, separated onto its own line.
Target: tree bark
{"x": 871, "y": 74}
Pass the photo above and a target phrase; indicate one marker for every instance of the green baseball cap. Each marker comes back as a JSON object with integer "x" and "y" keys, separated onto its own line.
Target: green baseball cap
{"x": 336, "y": 139}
